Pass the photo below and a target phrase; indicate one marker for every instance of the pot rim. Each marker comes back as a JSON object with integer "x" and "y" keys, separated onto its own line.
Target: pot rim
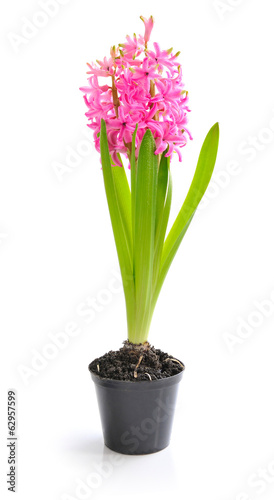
{"x": 138, "y": 385}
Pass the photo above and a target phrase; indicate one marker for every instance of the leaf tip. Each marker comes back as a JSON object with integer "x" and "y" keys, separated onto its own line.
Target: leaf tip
{"x": 216, "y": 128}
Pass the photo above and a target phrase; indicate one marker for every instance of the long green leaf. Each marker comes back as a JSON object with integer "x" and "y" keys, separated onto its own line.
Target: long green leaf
{"x": 133, "y": 194}
{"x": 202, "y": 176}
{"x": 124, "y": 201}
{"x": 162, "y": 184}
{"x": 164, "y": 195}
{"x": 145, "y": 212}
{"x": 121, "y": 241}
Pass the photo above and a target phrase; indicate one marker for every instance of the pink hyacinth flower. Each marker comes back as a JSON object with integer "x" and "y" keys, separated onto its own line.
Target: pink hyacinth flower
{"x": 138, "y": 85}
{"x": 148, "y": 27}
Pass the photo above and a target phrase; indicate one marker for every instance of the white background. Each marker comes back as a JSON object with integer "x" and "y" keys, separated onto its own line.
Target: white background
{"x": 57, "y": 252}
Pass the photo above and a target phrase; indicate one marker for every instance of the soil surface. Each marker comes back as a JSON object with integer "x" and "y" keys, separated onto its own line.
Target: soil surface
{"x": 135, "y": 362}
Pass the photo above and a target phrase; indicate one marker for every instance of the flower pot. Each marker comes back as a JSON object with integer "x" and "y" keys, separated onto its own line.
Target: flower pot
{"x": 137, "y": 416}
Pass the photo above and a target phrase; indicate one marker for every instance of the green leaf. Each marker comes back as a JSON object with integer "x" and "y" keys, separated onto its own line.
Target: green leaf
{"x": 123, "y": 200}
{"x": 164, "y": 194}
{"x": 133, "y": 192}
{"x": 202, "y": 176}
{"x": 145, "y": 213}
{"x": 114, "y": 187}
{"x": 162, "y": 183}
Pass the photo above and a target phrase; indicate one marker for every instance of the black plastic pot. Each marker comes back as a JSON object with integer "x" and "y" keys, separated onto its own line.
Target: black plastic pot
{"x": 137, "y": 416}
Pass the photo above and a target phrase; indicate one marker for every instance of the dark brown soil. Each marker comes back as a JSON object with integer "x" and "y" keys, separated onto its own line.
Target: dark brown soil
{"x": 136, "y": 362}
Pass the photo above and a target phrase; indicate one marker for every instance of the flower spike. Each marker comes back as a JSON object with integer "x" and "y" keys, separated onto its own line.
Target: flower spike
{"x": 144, "y": 86}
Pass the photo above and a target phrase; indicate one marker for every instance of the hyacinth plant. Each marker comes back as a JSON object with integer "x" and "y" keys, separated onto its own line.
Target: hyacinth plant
{"x": 138, "y": 107}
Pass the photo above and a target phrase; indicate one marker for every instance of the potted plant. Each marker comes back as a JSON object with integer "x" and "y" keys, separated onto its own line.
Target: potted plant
{"x": 137, "y": 107}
